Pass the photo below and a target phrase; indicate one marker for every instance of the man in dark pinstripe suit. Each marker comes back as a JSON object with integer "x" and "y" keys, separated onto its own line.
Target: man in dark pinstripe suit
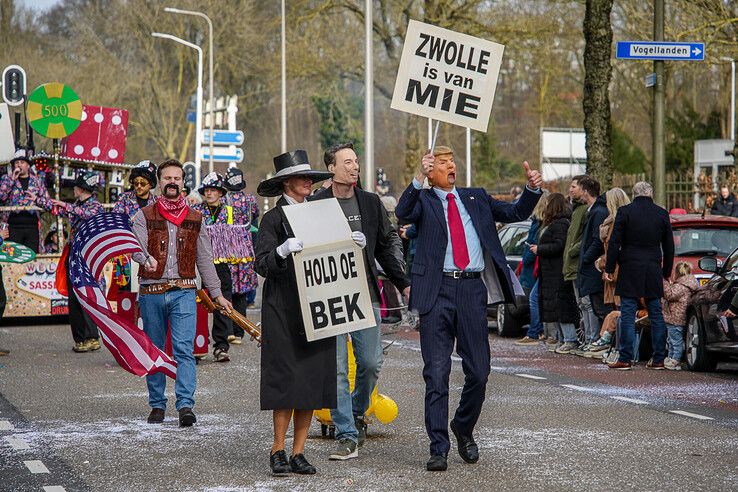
{"x": 459, "y": 268}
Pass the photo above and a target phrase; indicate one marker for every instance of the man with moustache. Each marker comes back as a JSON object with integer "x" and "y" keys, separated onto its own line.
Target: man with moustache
{"x": 373, "y": 231}
{"x": 459, "y": 268}
{"x": 174, "y": 241}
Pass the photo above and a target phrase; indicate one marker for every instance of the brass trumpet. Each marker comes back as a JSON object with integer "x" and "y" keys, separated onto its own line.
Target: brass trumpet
{"x": 238, "y": 318}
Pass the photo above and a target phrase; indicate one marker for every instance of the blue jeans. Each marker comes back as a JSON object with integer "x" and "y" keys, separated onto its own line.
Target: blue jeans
{"x": 567, "y": 332}
{"x": 176, "y": 309}
{"x": 536, "y": 327}
{"x": 628, "y": 307}
{"x": 675, "y": 341}
{"x": 367, "y": 346}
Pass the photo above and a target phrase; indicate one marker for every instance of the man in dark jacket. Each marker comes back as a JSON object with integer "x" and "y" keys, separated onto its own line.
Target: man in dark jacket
{"x": 589, "y": 285}
{"x": 373, "y": 231}
{"x": 641, "y": 232}
{"x": 725, "y": 204}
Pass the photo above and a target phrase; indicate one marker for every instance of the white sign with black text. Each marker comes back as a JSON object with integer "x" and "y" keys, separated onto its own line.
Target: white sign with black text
{"x": 447, "y": 76}
{"x": 330, "y": 273}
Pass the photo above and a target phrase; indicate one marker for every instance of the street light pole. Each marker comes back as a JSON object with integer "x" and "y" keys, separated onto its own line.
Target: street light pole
{"x": 732, "y": 95}
{"x": 369, "y": 99}
{"x": 211, "y": 95}
{"x": 659, "y": 156}
{"x": 198, "y": 109}
{"x": 284, "y": 84}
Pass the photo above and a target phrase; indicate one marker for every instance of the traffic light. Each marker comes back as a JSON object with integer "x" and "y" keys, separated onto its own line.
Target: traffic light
{"x": 14, "y": 85}
{"x": 189, "y": 176}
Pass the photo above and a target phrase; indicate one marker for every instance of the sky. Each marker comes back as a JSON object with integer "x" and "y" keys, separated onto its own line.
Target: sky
{"x": 38, "y": 4}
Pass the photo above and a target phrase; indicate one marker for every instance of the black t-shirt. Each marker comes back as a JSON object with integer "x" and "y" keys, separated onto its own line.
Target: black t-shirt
{"x": 142, "y": 202}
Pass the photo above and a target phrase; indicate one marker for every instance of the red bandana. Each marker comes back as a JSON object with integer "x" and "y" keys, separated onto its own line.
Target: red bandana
{"x": 174, "y": 212}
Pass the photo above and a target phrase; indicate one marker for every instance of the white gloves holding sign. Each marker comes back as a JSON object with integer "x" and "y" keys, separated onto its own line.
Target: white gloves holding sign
{"x": 359, "y": 238}
{"x": 292, "y": 245}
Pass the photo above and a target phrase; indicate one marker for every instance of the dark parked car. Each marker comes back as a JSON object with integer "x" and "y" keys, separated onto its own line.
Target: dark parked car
{"x": 710, "y": 337}
{"x": 511, "y": 318}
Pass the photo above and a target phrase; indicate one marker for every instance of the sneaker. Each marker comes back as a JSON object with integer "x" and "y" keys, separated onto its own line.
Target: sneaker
{"x": 4, "y": 351}
{"x": 93, "y": 344}
{"x": 236, "y": 340}
{"x": 220, "y": 355}
{"x": 612, "y": 357}
{"x": 345, "y": 450}
{"x": 551, "y": 341}
{"x": 360, "y": 424}
{"x": 620, "y": 366}
{"x": 672, "y": 364}
{"x": 231, "y": 338}
{"x": 656, "y": 366}
{"x": 581, "y": 350}
{"x": 80, "y": 347}
{"x": 566, "y": 348}
{"x": 526, "y": 340}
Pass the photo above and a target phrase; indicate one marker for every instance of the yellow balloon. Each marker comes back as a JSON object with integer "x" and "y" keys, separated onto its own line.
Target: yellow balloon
{"x": 323, "y": 415}
{"x": 385, "y": 409}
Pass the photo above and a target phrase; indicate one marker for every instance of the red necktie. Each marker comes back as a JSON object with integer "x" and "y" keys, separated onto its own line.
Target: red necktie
{"x": 458, "y": 238}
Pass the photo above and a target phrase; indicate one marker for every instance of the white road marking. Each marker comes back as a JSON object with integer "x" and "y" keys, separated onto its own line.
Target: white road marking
{"x": 54, "y": 488}
{"x": 36, "y": 466}
{"x": 692, "y": 415}
{"x": 457, "y": 359}
{"x": 5, "y": 425}
{"x": 17, "y": 443}
{"x": 530, "y": 376}
{"x": 630, "y": 400}
{"x": 575, "y": 387}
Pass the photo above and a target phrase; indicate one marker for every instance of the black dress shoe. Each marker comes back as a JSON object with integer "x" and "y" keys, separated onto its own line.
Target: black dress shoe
{"x": 468, "y": 449}
{"x": 437, "y": 462}
{"x": 186, "y": 417}
{"x": 300, "y": 465}
{"x": 279, "y": 464}
{"x": 156, "y": 416}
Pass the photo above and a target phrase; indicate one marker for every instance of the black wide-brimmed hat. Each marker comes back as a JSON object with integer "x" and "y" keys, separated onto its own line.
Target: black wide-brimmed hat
{"x": 88, "y": 181}
{"x": 212, "y": 180}
{"x": 290, "y": 164}
{"x": 234, "y": 179}
{"x": 145, "y": 169}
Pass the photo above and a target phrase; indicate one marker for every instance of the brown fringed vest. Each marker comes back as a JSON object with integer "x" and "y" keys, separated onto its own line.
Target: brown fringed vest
{"x": 158, "y": 245}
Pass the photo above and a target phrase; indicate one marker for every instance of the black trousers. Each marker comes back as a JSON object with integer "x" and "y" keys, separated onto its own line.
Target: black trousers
{"x": 240, "y": 303}
{"x": 27, "y": 236}
{"x": 3, "y": 297}
{"x": 222, "y": 324}
{"x": 82, "y": 325}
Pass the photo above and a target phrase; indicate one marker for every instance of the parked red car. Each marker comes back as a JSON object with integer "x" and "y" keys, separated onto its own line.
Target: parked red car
{"x": 696, "y": 236}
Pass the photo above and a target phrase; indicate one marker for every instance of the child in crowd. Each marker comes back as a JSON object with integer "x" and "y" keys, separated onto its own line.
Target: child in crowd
{"x": 676, "y": 298}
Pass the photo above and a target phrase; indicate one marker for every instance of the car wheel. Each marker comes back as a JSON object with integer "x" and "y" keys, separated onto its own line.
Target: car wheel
{"x": 698, "y": 359}
{"x": 507, "y": 325}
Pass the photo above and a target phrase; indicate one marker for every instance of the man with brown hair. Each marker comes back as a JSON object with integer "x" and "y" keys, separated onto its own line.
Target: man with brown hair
{"x": 174, "y": 240}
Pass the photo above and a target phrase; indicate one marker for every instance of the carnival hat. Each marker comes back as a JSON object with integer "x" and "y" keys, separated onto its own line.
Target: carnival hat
{"x": 234, "y": 179}
{"x": 290, "y": 164}
{"x": 88, "y": 181}
{"x": 22, "y": 154}
{"x": 145, "y": 169}
{"x": 213, "y": 180}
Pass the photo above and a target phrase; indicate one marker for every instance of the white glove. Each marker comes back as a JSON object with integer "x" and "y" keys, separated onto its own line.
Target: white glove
{"x": 359, "y": 238}
{"x": 292, "y": 245}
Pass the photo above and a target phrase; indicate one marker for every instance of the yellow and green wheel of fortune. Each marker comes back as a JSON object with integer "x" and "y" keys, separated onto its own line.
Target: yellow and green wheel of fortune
{"x": 54, "y": 110}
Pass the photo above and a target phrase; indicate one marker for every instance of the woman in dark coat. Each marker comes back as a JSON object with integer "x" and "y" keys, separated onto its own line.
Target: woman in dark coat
{"x": 297, "y": 376}
{"x": 556, "y": 302}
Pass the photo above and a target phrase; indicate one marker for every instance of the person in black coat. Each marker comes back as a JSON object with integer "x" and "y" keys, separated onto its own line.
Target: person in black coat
{"x": 297, "y": 376}
{"x": 725, "y": 204}
{"x": 589, "y": 285}
{"x": 641, "y": 232}
{"x": 556, "y": 302}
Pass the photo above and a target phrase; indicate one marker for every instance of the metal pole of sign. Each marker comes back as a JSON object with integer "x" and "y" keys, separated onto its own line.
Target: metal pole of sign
{"x": 211, "y": 95}
{"x": 284, "y": 83}
{"x": 198, "y": 109}
{"x": 369, "y": 99}
{"x": 60, "y": 239}
{"x": 468, "y": 158}
{"x": 732, "y": 95}
{"x": 430, "y": 132}
{"x": 658, "y": 110}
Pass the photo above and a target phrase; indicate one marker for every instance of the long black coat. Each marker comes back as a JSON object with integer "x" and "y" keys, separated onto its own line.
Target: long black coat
{"x": 589, "y": 280}
{"x": 727, "y": 206}
{"x": 295, "y": 373}
{"x": 556, "y": 300}
{"x": 642, "y": 230}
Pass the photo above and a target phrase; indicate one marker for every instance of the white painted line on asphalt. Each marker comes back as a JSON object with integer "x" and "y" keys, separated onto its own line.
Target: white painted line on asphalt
{"x": 530, "y": 376}
{"x": 18, "y": 443}
{"x": 575, "y": 387}
{"x": 5, "y": 425}
{"x": 692, "y": 415}
{"x": 457, "y": 359}
{"x": 54, "y": 488}
{"x": 630, "y": 400}
{"x": 36, "y": 466}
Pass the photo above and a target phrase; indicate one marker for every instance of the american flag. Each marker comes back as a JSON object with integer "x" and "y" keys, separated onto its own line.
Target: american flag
{"x": 96, "y": 241}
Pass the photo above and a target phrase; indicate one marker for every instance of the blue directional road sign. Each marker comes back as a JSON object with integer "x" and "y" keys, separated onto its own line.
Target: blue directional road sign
{"x": 660, "y": 50}
{"x": 222, "y": 154}
{"x": 223, "y": 137}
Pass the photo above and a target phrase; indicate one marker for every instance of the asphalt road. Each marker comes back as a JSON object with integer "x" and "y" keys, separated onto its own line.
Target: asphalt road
{"x": 549, "y": 423}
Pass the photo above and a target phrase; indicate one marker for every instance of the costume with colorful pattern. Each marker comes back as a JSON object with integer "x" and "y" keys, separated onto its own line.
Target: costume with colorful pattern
{"x": 244, "y": 276}
{"x": 127, "y": 203}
